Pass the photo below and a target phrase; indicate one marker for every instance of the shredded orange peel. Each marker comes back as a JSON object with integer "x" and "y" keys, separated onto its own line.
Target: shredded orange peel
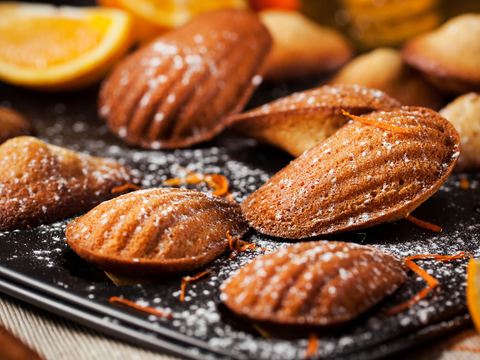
{"x": 216, "y": 181}
{"x": 240, "y": 245}
{"x": 464, "y": 184}
{"x": 465, "y": 348}
{"x": 431, "y": 281}
{"x": 378, "y": 124}
{"x": 134, "y": 305}
{"x": 126, "y": 187}
{"x": 188, "y": 279}
{"x": 424, "y": 224}
{"x": 312, "y": 346}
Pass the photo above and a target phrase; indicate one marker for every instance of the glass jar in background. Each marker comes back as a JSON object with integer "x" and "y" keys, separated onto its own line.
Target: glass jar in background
{"x": 373, "y": 23}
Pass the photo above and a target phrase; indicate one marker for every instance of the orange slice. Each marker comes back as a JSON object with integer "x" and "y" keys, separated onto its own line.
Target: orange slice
{"x": 60, "y": 48}
{"x": 152, "y": 17}
{"x": 473, "y": 291}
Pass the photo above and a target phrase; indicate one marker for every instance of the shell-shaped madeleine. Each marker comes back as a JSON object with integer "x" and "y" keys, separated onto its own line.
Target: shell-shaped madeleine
{"x": 302, "y": 120}
{"x": 313, "y": 284}
{"x": 361, "y": 176}
{"x": 13, "y": 124}
{"x": 177, "y": 91}
{"x": 463, "y": 113}
{"x": 41, "y": 183}
{"x": 448, "y": 55}
{"x": 384, "y": 69}
{"x": 156, "y": 232}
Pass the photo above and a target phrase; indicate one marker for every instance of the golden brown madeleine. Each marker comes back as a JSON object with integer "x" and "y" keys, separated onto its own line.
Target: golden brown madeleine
{"x": 13, "y": 124}
{"x": 384, "y": 69}
{"x": 300, "y": 121}
{"x": 41, "y": 183}
{"x": 12, "y": 348}
{"x": 464, "y": 114}
{"x": 301, "y": 47}
{"x": 361, "y": 176}
{"x": 312, "y": 285}
{"x": 156, "y": 232}
{"x": 450, "y": 55}
{"x": 176, "y": 91}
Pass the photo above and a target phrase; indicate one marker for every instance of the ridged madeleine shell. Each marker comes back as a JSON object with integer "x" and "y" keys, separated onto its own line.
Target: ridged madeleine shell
{"x": 176, "y": 91}
{"x": 156, "y": 232}
{"x": 313, "y": 285}
{"x": 302, "y": 120}
{"x": 41, "y": 183}
{"x": 359, "y": 177}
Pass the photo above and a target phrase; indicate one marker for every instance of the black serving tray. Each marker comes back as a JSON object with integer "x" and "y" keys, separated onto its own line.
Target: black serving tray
{"x": 36, "y": 265}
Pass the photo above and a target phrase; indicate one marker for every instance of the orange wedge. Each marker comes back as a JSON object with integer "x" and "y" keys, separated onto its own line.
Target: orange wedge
{"x": 152, "y": 17}
{"x": 60, "y": 48}
{"x": 473, "y": 291}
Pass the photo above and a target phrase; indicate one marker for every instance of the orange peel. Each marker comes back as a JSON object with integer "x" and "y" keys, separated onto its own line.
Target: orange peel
{"x": 134, "y": 305}
{"x": 188, "y": 279}
{"x": 378, "y": 124}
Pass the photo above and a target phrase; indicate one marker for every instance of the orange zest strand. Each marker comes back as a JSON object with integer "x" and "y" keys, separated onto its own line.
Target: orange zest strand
{"x": 431, "y": 281}
{"x": 424, "y": 224}
{"x": 237, "y": 245}
{"x": 464, "y": 184}
{"x": 460, "y": 255}
{"x": 465, "y": 348}
{"x": 378, "y": 124}
{"x": 216, "y": 181}
{"x": 230, "y": 241}
{"x": 312, "y": 346}
{"x": 188, "y": 279}
{"x": 147, "y": 309}
{"x": 125, "y": 187}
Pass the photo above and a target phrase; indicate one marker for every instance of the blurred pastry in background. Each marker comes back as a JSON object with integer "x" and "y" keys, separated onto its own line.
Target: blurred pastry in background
{"x": 300, "y": 121}
{"x": 450, "y": 55}
{"x": 41, "y": 183}
{"x": 177, "y": 91}
{"x": 384, "y": 69}
{"x": 13, "y": 124}
{"x": 12, "y": 348}
{"x": 464, "y": 114}
{"x": 301, "y": 47}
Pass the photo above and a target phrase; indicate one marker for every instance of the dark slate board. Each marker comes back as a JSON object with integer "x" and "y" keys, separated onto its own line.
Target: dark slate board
{"x": 41, "y": 261}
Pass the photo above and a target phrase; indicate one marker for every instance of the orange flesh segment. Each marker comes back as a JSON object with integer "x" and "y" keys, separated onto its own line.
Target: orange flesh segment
{"x": 134, "y": 305}
{"x": 378, "y": 124}
{"x": 431, "y": 281}
{"x": 188, "y": 279}
{"x": 43, "y": 42}
{"x": 424, "y": 224}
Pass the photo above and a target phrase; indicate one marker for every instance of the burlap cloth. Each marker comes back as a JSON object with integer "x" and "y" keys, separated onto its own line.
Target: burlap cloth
{"x": 54, "y": 337}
